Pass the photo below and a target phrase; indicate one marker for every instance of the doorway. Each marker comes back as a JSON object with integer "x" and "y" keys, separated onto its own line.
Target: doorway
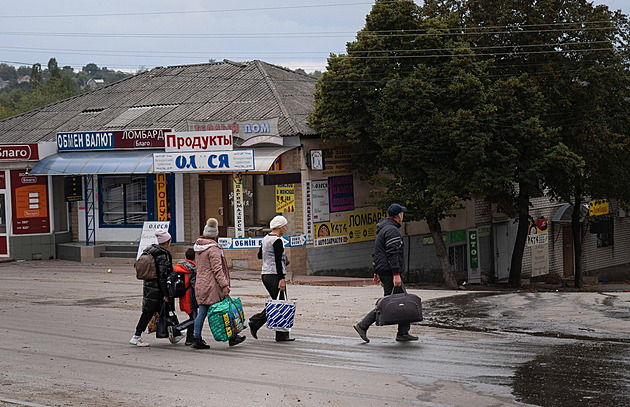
{"x": 567, "y": 251}
{"x": 214, "y": 201}
{"x": 504, "y": 239}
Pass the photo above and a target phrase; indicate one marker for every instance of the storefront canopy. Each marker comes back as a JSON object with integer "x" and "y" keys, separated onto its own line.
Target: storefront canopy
{"x": 127, "y": 162}
{"x": 96, "y": 162}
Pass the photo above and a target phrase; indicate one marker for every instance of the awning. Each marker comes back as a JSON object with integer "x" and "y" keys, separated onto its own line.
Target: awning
{"x": 265, "y": 156}
{"x": 128, "y": 162}
{"x": 564, "y": 213}
{"x": 96, "y": 162}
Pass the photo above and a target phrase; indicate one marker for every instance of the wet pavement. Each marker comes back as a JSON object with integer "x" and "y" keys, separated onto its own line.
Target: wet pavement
{"x": 65, "y": 326}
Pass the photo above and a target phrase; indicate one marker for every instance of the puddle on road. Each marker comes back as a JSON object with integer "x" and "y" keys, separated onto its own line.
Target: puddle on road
{"x": 594, "y": 374}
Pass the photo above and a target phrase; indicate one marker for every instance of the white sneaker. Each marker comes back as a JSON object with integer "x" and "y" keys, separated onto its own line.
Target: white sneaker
{"x": 137, "y": 341}
{"x": 174, "y": 335}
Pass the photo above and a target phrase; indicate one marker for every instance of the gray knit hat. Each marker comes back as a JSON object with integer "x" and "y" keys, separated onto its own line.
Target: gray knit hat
{"x": 212, "y": 228}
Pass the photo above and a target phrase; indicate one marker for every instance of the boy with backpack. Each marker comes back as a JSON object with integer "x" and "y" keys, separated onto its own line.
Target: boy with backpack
{"x": 186, "y": 271}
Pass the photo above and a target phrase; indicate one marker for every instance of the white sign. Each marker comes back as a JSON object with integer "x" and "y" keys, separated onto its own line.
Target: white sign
{"x": 308, "y": 211}
{"x": 317, "y": 160}
{"x": 540, "y": 260}
{"x": 298, "y": 240}
{"x": 147, "y": 237}
{"x": 226, "y": 161}
{"x": 256, "y": 242}
{"x": 319, "y": 193}
{"x": 239, "y": 208}
{"x": 328, "y": 241}
{"x": 217, "y": 140}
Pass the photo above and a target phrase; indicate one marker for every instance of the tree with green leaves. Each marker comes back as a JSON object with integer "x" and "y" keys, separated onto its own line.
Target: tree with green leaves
{"x": 575, "y": 55}
{"x": 412, "y": 99}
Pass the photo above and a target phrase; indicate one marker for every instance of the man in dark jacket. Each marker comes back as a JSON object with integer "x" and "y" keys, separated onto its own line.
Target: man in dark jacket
{"x": 389, "y": 260}
{"x": 155, "y": 292}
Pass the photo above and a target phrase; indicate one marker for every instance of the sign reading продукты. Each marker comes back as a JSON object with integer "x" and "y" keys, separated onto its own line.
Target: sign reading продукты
{"x": 235, "y": 160}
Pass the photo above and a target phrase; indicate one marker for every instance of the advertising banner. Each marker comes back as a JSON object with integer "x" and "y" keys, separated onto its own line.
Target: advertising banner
{"x": 362, "y": 225}
{"x": 308, "y": 210}
{"x": 226, "y": 161}
{"x": 239, "y": 208}
{"x": 147, "y": 236}
{"x": 341, "y": 193}
{"x": 321, "y": 209}
{"x": 162, "y": 200}
{"x": 198, "y": 141}
{"x": 285, "y": 198}
{"x": 30, "y": 203}
{"x": 107, "y": 140}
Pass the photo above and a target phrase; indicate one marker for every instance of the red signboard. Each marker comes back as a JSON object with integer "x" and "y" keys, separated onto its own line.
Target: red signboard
{"x": 30, "y": 203}
{"x": 140, "y": 138}
{"x": 19, "y": 152}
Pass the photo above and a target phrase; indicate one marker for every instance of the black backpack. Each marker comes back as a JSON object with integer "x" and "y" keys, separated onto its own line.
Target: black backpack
{"x": 176, "y": 284}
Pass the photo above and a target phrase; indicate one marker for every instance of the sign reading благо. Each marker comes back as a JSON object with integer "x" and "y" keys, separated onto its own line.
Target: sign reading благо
{"x": 19, "y": 152}
{"x": 108, "y": 140}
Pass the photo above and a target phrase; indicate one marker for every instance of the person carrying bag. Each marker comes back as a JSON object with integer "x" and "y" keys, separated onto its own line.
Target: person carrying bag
{"x": 274, "y": 270}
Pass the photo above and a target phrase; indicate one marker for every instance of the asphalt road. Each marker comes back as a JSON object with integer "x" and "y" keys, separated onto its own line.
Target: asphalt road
{"x": 65, "y": 326}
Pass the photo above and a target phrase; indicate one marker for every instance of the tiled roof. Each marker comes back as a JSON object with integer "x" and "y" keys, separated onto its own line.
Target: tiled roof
{"x": 168, "y": 97}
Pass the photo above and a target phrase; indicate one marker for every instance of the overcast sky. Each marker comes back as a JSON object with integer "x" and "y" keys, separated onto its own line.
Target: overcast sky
{"x": 132, "y": 34}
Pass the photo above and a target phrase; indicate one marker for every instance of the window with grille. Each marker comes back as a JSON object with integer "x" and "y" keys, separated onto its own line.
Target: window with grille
{"x": 457, "y": 257}
{"x": 123, "y": 200}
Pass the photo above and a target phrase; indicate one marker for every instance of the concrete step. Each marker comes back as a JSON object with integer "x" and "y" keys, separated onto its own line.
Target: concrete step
{"x": 122, "y": 254}
{"x": 122, "y": 248}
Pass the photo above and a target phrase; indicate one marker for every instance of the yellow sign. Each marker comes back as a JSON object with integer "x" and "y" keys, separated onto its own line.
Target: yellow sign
{"x": 285, "y": 198}
{"x": 328, "y": 229}
{"x": 362, "y": 225}
{"x": 162, "y": 201}
{"x": 598, "y": 207}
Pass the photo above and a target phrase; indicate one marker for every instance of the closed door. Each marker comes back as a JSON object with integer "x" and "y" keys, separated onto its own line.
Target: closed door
{"x": 214, "y": 202}
{"x": 502, "y": 254}
{"x": 567, "y": 251}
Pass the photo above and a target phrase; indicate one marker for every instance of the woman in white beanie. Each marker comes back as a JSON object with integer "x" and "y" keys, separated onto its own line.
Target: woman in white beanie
{"x": 274, "y": 270}
{"x": 155, "y": 292}
{"x": 213, "y": 279}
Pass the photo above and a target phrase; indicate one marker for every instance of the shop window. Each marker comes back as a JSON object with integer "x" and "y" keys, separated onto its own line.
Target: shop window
{"x": 123, "y": 200}
{"x": 259, "y": 202}
{"x": 603, "y": 226}
{"x": 457, "y": 257}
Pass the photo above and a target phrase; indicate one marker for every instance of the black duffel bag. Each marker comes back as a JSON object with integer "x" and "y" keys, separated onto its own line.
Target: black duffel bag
{"x": 400, "y": 308}
{"x": 167, "y": 318}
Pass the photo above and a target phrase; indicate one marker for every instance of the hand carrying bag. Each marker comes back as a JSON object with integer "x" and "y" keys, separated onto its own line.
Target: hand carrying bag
{"x": 226, "y": 318}
{"x": 167, "y": 318}
{"x": 400, "y": 308}
{"x": 280, "y": 314}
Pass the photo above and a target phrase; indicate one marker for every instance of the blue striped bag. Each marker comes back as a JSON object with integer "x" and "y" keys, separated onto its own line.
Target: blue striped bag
{"x": 280, "y": 314}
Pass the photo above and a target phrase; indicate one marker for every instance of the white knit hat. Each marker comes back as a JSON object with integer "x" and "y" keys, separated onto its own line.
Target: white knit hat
{"x": 212, "y": 228}
{"x": 278, "y": 222}
{"x": 162, "y": 236}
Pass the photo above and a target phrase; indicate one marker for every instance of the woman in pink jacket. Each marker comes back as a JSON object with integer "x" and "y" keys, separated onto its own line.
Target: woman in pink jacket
{"x": 213, "y": 279}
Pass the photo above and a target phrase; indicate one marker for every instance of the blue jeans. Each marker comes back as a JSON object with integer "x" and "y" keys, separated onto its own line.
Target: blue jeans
{"x": 201, "y": 318}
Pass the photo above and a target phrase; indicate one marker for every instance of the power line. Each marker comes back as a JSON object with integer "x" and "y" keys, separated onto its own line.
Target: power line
{"x": 159, "y": 13}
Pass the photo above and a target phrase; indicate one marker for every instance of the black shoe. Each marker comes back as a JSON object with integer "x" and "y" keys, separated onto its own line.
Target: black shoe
{"x": 406, "y": 338}
{"x": 236, "y": 340}
{"x": 254, "y": 330}
{"x": 199, "y": 344}
{"x": 362, "y": 333}
{"x": 287, "y": 339}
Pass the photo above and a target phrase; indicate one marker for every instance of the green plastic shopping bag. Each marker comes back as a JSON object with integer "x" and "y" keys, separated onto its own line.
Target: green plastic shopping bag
{"x": 226, "y": 319}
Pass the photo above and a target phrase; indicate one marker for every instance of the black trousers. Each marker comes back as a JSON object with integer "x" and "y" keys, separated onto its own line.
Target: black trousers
{"x": 146, "y": 316}
{"x": 270, "y": 281}
{"x": 387, "y": 282}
